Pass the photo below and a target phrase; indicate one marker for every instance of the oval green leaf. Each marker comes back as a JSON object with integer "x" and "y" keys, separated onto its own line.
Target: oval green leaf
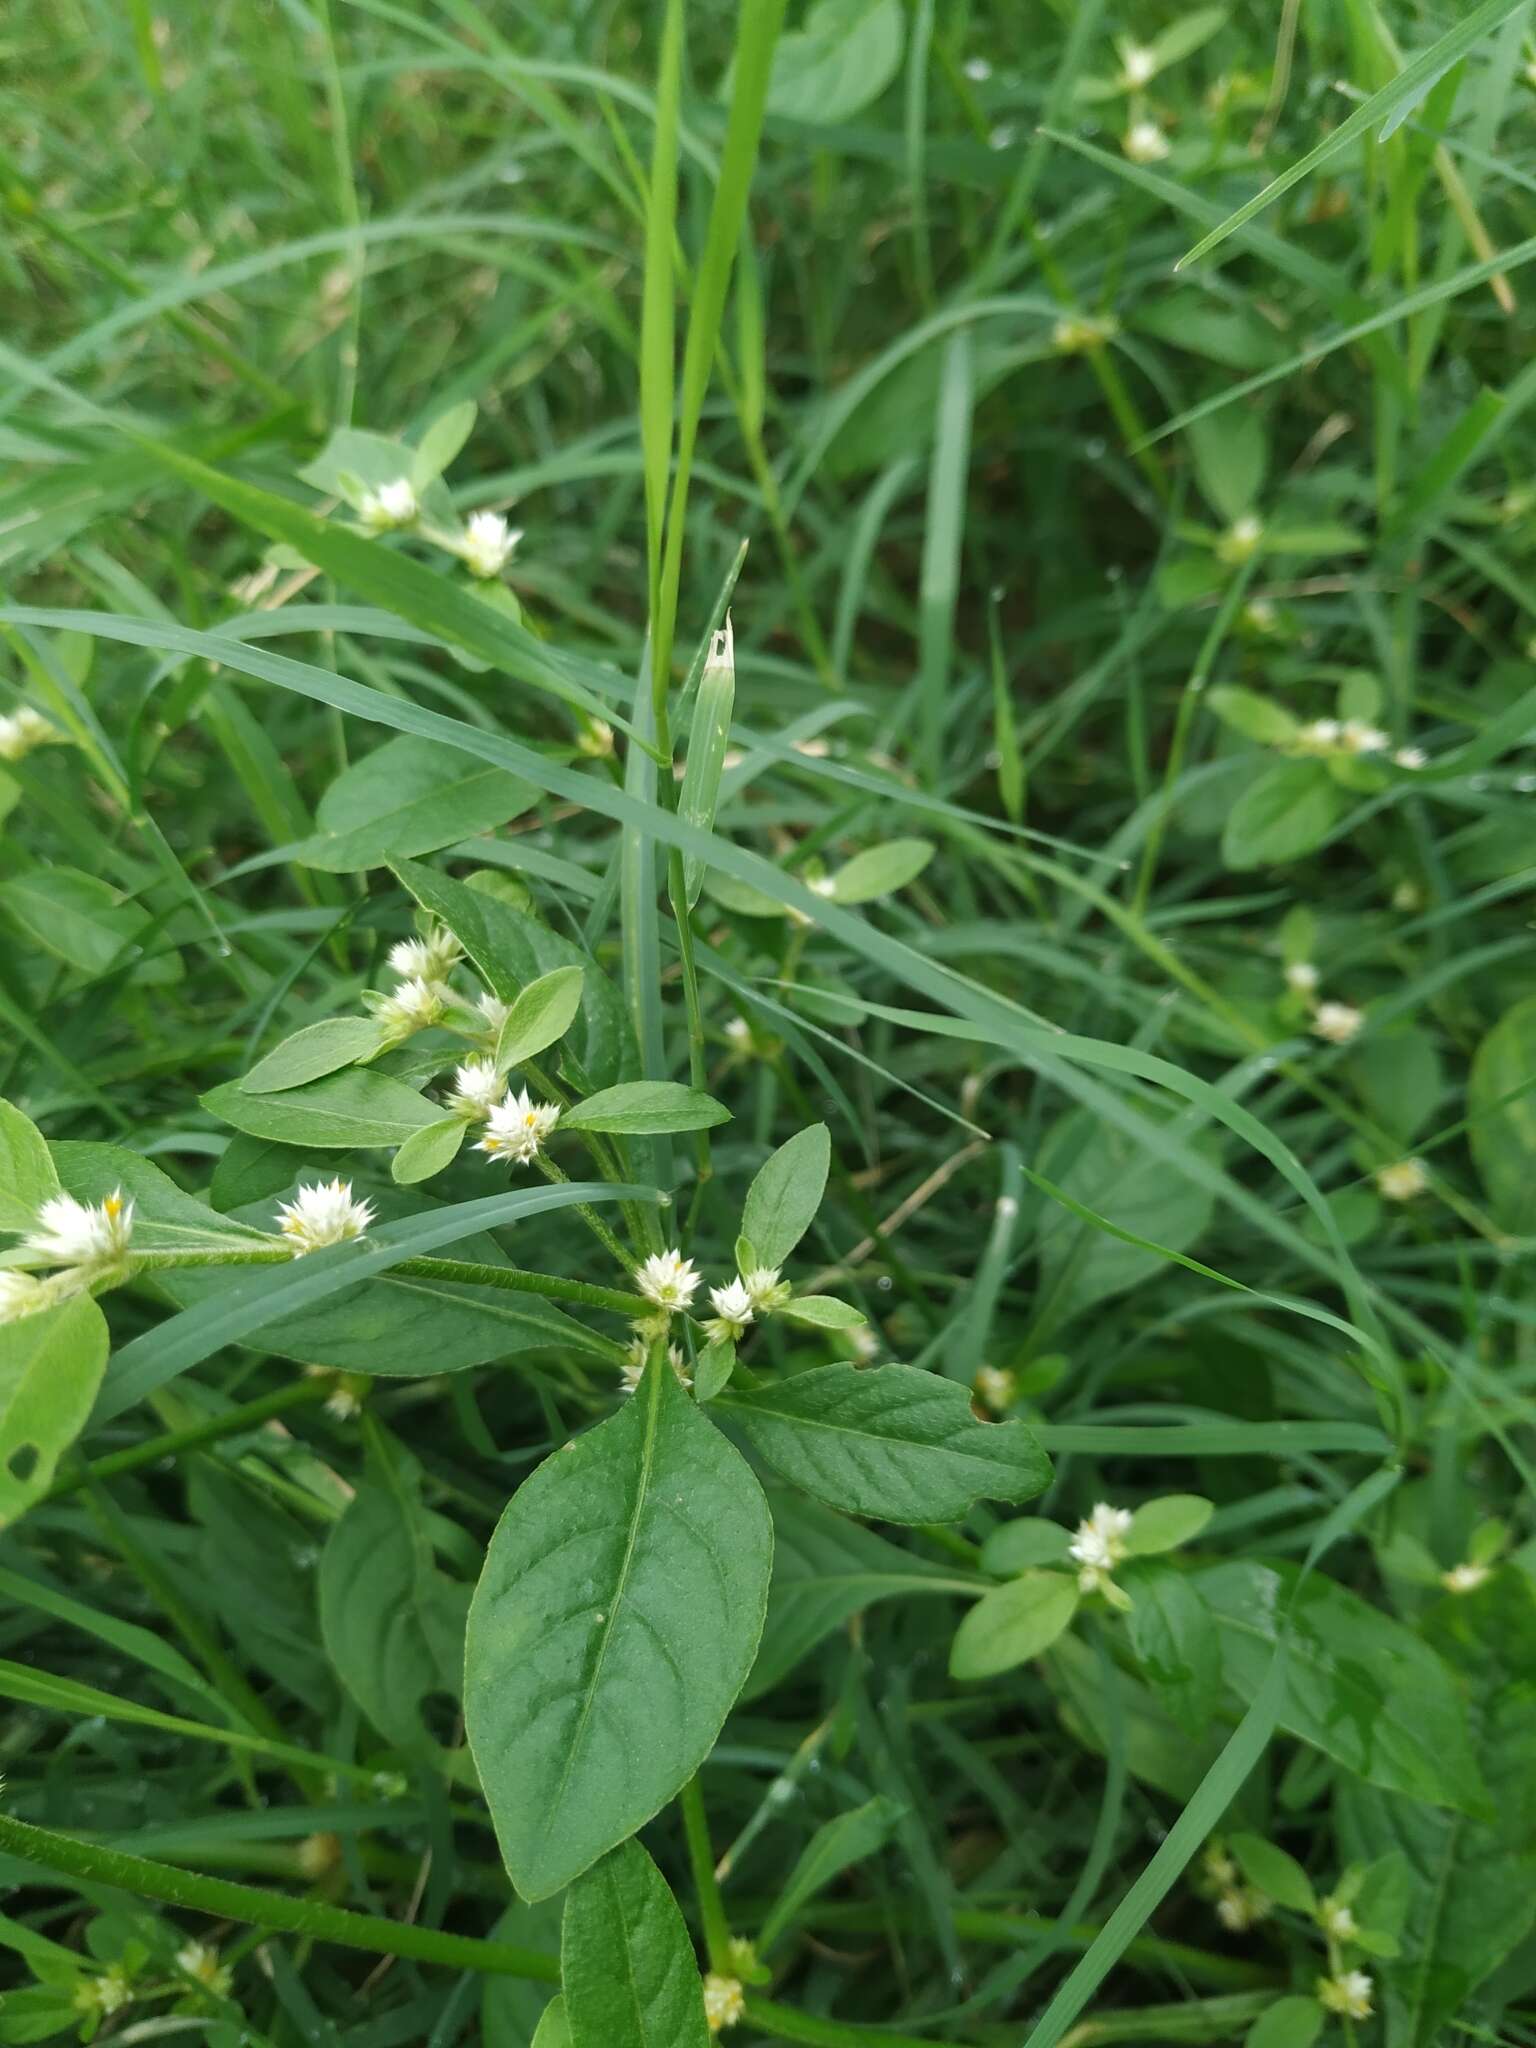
{"x": 640, "y": 1109}
{"x": 1013, "y": 1623}
{"x": 316, "y": 1050}
{"x": 626, "y": 1961}
{"x": 783, "y": 1199}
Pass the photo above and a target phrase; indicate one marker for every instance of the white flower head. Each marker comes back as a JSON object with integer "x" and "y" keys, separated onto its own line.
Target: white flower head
{"x": 427, "y": 959}
{"x": 765, "y": 1290}
{"x": 724, "y": 2002}
{"x": 1357, "y": 737}
{"x": 23, "y": 729}
{"x": 595, "y": 739}
{"x": 977, "y": 70}
{"x": 996, "y": 1388}
{"x": 494, "y": 1011}
{"x": 1099, "y": 1545}
{"x": 323, "y": 1213}
{"x": 1301, "y": 977}
{"x": 71, "y": 1233}
{"x": 733, "y": 1310}
{"x": 668, "y": 1279}
{"x": 1241, "y": 541}
{"x": 1402, "y": 1181}
{"x": 821, "y": 885}
{"x": 1138, "y": 66}
{"x": 391, "y": 505}
{"x": 1465, "y": 1578}
{"x": 1145, "y": 143}
{"x": 1337, "y": 1921}
{"x": 107, "y": 1993}
{"x": 21, "y": 1295}
{"x": 1348, "y": 1994}
{"x": 632, "y": 1372}
{"x": 1338, "y": 1022}
{"x": 1410, "y": 757}
{"x": 738, "y": 1033}
{"x": 410, "y": 1006}
{"x": 487, "y": 543}
{"x": 1320, "y": 736}
{"x": 201, "y": 1961}
{"x": 516, "y": 1128}
{"x": 1241, "y": 1907}
{"x": 477, "y": 1087}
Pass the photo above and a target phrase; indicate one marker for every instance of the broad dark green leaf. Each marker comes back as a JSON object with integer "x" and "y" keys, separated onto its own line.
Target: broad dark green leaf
{"x": 894, "y": 1443}
{"x": 613, "y": 1627}
{"x": 1359, "y": 1685}
{"x": 785, "y": 1194}
{"x": 1501, "y": 1104}
{"x": 317, "y": 1049}
{"x": 27, "y": 1176}
{"x": 643, "y": 1108}
{"x": 626, "y": 1962}
{"x": 1173, "y": 1634}
{"x": 393, "y": 1624}
{"x": 409, "y": 796}
{"x": 350, "y": 1111}
{"x": 50, "y": 1368}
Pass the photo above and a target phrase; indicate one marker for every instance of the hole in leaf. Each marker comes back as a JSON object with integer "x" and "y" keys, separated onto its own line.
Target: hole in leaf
{"x": 23, "y": 1462}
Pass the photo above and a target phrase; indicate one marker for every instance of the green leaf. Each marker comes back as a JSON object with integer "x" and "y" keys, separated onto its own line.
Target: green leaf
{"x": 1466, "y": 1888}
{"x": 512, "y": 950}
{"x": 895, "y": 1443}
{"x": 50, "y": 1368}
{"x": 428, "y": 1151}
{"x": 626, "y": 1961}
{"x": 1288, "y": 2023}
{"x": 540, "y": 1017}
{"x": 1501, "y": 1108}
{"x": 316, "y": 1050}
{"x": 613, "y": 1627}
{"x": 393, "y": 1625}
{"x": 839, "y": 63}
{"x": 708, "y": 735}
{"x": 826, "y": 1569}
{"x": 77, "y": 918}
{"x": 822, "y": 1312}
{"x": 1013, "y": 1623}
{"x": 1168, "y": 1521}
{"x": 1186, "y": 35}
{"x": 27, "y": 1176}
{"x": 1018, "y": 1544}
{"x": 1358, "y": 1685}
{"x": 1173, "y": 1635}
{"x": 441, "y": 441}
{"x": 1286, "y": 812}
{"x": 1279, "y": 1876}
{"x": 834, "y": 1848}
{"x": 643, "y": 1108}
{"x": 1256, "y": 718}
{"x": 1231, "y": 457}
{"x": 352, "y": 1109}
{"x": 881, "y": 870}
{"x": 554, "y": 2029}
{"x": 785, "y": 1194}
{"x": 409, "y": 796}
{"x": 713, "y": 1369}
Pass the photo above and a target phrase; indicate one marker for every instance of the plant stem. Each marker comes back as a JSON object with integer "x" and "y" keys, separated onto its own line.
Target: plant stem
{"x": 312, "y": 1918}
{"x": 783, "y": 2023}
{"x": 701, "y": 1858}
{"x": 468, "y": 1272}
{"x": 174, "y": 1442}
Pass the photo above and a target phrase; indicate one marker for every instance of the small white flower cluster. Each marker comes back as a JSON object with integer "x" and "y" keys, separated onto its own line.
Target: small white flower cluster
{"x": 1241, "y": 541}
{"x": 1099, "y": 1546}
{"x": 1402, "y": 1181}
{"x": 201, "y": 1962}
{"x": 669, "y": 1282}
{"x": 1354, "y": 736}
{"x": 24, "y": 729}
{"x": 1348, "y": 1994}
{"x": 103, "y": 1994}
{"x": 1339, "y": 1023}
{"x": 87, "y": 1241}
{"x": 996, "y": 1388}
{"x": 1075, "y": 333}
{"x": 1145, "y": 143}
{"x": 420, "y": 968}
{"x": 484, "y": 545}
{"x": 1239, "y": 1906}
{"x": 1465, "y": 1578}
{"x": 325, "y": 1212}
{"x": 724, "y": 2002}
{"x": 516, "y": 1127}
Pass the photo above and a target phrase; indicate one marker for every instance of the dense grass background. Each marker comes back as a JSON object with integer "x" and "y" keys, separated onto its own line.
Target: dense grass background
{"x": 1056, "y": 556}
